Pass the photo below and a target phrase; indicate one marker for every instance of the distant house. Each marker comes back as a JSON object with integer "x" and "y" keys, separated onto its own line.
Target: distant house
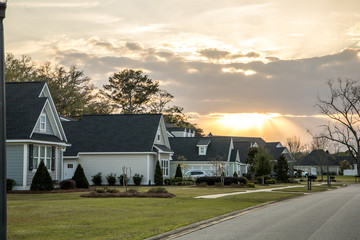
{"x": 34, "y": 133}
{"x": 179, "y": 131}
{"x": 276, "y": 149}
{"x": 106, "y": 143}
{"x": 318, "y": 159}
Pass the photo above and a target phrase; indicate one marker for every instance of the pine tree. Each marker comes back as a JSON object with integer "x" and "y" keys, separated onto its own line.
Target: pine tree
{"x": 178, "y": 173}
{"x": 158, "y": 177}
{"x": 281, "y": 169}
{"x": 42, "y": 180}
{"x": 79, "y": 178}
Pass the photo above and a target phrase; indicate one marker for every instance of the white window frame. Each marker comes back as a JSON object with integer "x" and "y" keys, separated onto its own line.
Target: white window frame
{"x": 42, "y": 153}
{"x": 43, "y": 122}
{"x": 158, "y": 135}
{"x": 202, "y": 150}
{"x": 165, "y": 167}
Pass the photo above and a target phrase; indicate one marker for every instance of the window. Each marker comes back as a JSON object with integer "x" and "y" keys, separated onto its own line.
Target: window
{"x": 42, "y": 153}
{"x": 158, "y": 135}
{"x": 165, "y": 167}
{"x": 70, "y": 166}
{"x": 43, "y": 122}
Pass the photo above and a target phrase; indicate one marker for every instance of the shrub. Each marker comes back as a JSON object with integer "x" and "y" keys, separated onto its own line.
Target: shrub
{"x": 270, "y": 181}
{"x": 112, "y": 190}
{"x": 260, "y": 180}
{"x": 97, "y": 179}
{"x": 132, "y": 191}
{"x": 157, "y": 190}
{"x": 121, "y": 179}
{"x": 137, "y": 179}
{"x": 111, "y": 179}
{"x": 208, "y": 180}
{"x": 42, "y": 180}
{"x": 235, "y": 174}
{"x": 177, "y": 181}
{"x": 230, "y": 180}
{"x": 242, "y": 180}
{"x": 250, "y": 185}
{"x": 105, "y": 189}
{"x": 168, "y": 181}
{"x": 67, "y": 184}
{"x": 79, "y": 178}
{"x": 203, "y": 184}
{"x": 158, "y": 176}
{"x": 178, "y": 173}
{"x": 10, "y": 183}
{"x": 100, "y": 190}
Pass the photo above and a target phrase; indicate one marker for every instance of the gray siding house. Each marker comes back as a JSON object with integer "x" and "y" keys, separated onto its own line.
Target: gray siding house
{"x": 33, "y": 133}
{"x": 106, "y": 143}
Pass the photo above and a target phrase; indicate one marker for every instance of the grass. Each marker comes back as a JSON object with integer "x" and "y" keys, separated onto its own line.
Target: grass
{"x": 68, "y": 216}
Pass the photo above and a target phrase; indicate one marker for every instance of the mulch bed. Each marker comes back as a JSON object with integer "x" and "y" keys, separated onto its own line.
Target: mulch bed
{"x": 57, "y": 190}
{"x": 128, "y": 194}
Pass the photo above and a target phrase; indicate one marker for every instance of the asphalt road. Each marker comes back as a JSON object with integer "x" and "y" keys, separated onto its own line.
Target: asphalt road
{"x": 328, "y": 215}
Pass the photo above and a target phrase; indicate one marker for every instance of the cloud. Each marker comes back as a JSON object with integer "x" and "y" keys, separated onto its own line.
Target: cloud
{"x": 214, "y": 53}
{"x": 133, "y": 46}
{"x": 62, "y": 4}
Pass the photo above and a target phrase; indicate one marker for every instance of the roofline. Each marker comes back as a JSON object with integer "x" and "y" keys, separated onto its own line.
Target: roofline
{"x": 110, "y": 153}
{"x": 38, "y": 141}
{"x": 162, "y": 151}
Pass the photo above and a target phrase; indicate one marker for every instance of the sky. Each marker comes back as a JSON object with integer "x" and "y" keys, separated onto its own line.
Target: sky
{"x": 237, "y": 67}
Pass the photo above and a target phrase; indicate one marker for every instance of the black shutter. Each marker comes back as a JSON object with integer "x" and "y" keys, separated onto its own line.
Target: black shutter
{"x": 53, "y": 154}
{"x": 31, "y": 157}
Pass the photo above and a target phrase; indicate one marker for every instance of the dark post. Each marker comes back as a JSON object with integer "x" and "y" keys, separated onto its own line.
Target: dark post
{"x": 2, "y": 128}
{"x": 327, "y": 167}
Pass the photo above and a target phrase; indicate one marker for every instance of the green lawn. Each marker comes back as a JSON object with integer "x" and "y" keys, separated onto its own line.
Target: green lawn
{"x": 69, "y": 216}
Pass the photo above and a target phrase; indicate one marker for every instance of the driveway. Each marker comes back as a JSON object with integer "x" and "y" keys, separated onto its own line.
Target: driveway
{"x": 327, "y": 215}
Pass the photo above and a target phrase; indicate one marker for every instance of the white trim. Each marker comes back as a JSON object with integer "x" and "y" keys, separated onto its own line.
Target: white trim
{"x": 43, "y": 115}
{"x": 38, "y": 120}
{"x": 148, "y": 168}
{"x": 161, "y": 151}
{"x": 115, "y": 153}
{"x": 25, "y": 166}
{"x": 39, "y": 142}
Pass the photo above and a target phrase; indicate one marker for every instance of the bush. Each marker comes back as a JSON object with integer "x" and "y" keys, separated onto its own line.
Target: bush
{"x": 270, "y": 181}
{"x": 79, "y": 178}
{"x": 97, "y": 179}
{"x": 208, "y": 180}
{"x": 230, "y": 180}
{"x": 250, "y": 185}
{"x": 158, "y": 190}
{"x": 42, "y": 180}
{"x": 137, "y": 179}
{"x": 203, "y": 184}
{"x": 10, "y": 183}
{"x": 121, "y": 178}
{"x": 178, "y": 173}
{"x": 242, "y": 180}
{"x": 67, "y": 184}
{"x": 235, "y": 174}
{"x": 111, "y": 179}
{"x": 177, "y": 181}
{"x": 158, "y": 176}
{"x": 168, "y": 181}
{"x": 105, "y": 189}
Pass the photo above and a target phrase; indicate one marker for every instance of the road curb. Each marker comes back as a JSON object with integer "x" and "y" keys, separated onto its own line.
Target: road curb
{"x": 212, "y": 221}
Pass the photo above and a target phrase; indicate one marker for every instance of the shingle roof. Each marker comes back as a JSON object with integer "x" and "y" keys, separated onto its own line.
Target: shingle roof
{"x": 23, "y": 107}
{"x": 163, "y": 148}
{"x": 218, "y": 147}
{"x": 243, "y": 148}
{"x": 315, "y": 158}
{"x": 112, "y": 133}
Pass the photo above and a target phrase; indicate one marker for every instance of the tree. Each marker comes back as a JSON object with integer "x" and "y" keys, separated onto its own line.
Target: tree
{"x": 178, "y": 173}
{"x": 342, "y": 107}
{"x": 218, "y": 164}
{"x": 158, "y": 176}
{"x": 344, "y": 164}
{"x": 159, "y": 100}
{"x": 262, "y": 162}
{"x": 250, "y": 160}
{"x": 130, "y": 90}
{"x": 42, "y": 180}
{"x": 295, "y": 147}
{"x": 126, "y": 175}
{"x": 79, "y": 178}
{"x": 71, "y": 90}
{"x": 281, "y": 169}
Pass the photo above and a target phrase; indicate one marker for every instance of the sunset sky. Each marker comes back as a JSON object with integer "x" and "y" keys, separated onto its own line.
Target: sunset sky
{"x": 241, "y": 68}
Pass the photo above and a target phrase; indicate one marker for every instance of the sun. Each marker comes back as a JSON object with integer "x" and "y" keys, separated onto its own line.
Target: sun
{"x": 244, "y": 121}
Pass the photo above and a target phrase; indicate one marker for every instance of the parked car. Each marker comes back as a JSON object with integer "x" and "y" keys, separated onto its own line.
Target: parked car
{"x": 195, "y": 174}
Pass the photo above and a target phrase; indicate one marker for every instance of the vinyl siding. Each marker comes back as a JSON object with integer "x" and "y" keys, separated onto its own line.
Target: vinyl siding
{"x": 48, "y": 129}
{"x": 106, "y": 164}
{"x": 15, "y": 163}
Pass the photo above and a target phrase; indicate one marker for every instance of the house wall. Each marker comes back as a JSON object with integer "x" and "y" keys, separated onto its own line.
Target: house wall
{"x": 15, "y": 163}
{"x": 318, "y": 171}
{"x": 209, "y": 168}
{"x": 48, "y": 126}
{"x": 113, "y": 163}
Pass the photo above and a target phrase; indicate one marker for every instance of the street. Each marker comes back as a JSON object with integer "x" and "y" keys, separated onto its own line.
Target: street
{"x": 328, "y": 215}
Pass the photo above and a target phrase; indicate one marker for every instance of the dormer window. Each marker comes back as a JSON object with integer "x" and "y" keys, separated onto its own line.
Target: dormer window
{"x": 202, "y": 151}
{"x": 43, "y": 122}
{"x": 158, "y": 135}
{"x": 203, "y": 145}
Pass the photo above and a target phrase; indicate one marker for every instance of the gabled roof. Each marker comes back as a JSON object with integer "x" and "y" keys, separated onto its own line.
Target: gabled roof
{"x": 203, "y": 142}
{"x": 259, "y": 141}
{"x": 112, "y": 133}
{"x": 233, "y": 155}
{"x": 187, "y": 147}
{"x": 316, "y": 157}
{"x": 243, "y": 148}
{"x": 23, "y": 107}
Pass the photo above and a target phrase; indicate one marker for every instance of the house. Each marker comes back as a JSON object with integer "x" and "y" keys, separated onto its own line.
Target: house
{"x": 318, "y": 159}
{"x": 34, "y": 133}
{"x": 107, "y": 143}
{"x": 276, "y": 149}
{"x": 201, "y": 153}
{"x": 179, "y": 131}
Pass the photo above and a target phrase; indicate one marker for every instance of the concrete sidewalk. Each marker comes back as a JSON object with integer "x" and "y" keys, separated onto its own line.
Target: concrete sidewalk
{"x": 247, "y": 191}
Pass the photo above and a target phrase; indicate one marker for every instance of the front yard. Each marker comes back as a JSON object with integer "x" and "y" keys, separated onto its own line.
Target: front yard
{"x": 69, "y": 216}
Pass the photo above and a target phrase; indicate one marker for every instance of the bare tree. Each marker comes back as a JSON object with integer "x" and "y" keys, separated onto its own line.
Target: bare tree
{"x": 125, "y": 178}
{"x": 320, "y": 143}
{"x": 342, "y": 106}
{"x": 294, "y": 146}
{"x": 218, "y": 164}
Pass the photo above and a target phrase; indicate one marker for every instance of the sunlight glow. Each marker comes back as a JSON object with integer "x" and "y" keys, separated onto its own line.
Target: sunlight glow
{"x": 239, "y": 121}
